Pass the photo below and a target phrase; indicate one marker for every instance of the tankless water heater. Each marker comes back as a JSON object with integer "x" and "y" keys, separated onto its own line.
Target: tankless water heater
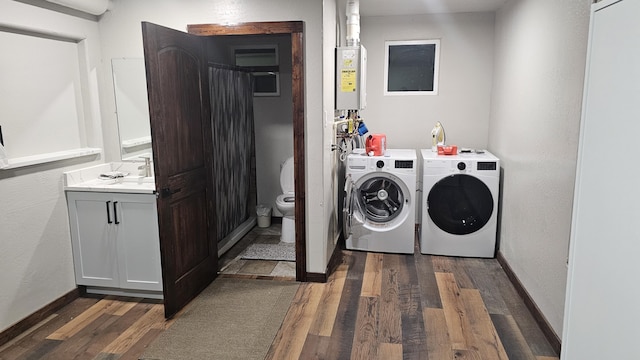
{"x": 351, "y": 70}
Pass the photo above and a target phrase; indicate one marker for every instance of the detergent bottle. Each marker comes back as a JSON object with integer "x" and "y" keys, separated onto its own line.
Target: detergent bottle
{"x": 376, "y": 144}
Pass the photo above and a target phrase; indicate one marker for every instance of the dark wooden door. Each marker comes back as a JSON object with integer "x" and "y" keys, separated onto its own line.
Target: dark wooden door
{"x": 177, "y": 84}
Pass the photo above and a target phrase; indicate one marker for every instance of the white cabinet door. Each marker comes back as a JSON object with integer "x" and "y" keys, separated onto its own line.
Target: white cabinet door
{"x": 138, "y": 242}
{"x": 115, "y": 240}
{"x": 93, "y": 240}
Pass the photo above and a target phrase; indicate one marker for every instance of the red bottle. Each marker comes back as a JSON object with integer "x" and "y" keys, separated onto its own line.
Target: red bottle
{"x": 376, "y": 144}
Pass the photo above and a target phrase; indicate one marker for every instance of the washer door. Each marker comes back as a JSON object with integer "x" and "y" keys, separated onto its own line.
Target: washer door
{"x": 380, "y": 198}
{"x": 347, "y": 208}
{"x": 460, "y": 204}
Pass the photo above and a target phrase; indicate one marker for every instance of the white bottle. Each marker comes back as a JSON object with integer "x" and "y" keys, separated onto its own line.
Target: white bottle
{"x": 437, "y": 136}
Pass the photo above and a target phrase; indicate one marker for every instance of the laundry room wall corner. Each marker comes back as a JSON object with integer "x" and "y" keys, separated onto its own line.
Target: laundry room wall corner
{"x": 533, "y": 129}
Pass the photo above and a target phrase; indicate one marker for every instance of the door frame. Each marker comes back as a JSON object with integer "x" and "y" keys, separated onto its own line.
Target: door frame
{"x": 296, "y": 30}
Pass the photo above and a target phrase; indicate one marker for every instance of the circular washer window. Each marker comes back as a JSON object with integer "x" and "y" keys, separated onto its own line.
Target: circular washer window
{"x": 381, "y": 199}
{"x": 460, "y": 204}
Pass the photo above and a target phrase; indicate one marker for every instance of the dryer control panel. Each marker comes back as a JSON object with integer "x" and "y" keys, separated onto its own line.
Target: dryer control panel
{"x": 478, "y": 163}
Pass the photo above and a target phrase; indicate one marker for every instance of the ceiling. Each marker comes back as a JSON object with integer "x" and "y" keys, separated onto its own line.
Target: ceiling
{"x": 412, "y": 7}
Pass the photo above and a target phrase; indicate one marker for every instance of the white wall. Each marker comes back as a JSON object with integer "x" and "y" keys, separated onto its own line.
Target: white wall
{"x": 466, "y": 68}
{"x": 535, "y": 114}
{"x": 273, "y": 117}
{"x": 36, "y": 265}
{"x": 330, "y": 165}
{"x": 121, "y": 37}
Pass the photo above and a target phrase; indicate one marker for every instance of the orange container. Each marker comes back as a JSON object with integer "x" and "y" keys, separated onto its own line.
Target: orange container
{"x": 376, "y": 144}
{"x": 447, "y": 150}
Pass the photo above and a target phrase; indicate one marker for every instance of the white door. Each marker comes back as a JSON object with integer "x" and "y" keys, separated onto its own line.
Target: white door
{"x": 138, "y": 242}
{"x": 93, "y": 239}
{"x": 601, "y": 312}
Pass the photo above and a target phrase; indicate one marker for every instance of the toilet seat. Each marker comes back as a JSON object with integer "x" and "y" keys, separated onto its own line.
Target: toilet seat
{"x": 286, "y": 203}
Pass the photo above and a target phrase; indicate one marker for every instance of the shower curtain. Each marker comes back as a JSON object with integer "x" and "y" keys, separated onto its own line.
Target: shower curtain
{"x": 233, "y": 134}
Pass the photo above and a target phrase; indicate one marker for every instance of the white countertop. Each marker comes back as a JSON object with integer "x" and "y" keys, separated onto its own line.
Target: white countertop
{"x": 88, "y": 179}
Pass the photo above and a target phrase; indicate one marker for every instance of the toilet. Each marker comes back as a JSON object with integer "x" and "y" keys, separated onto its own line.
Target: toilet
{"x": 285, "y": 202}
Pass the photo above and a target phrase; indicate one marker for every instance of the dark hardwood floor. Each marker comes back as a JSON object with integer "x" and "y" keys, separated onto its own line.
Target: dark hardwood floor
{"x": 375, "y": 306}
{"x": 386, "y": 306}
{"x": 91, "y": 328}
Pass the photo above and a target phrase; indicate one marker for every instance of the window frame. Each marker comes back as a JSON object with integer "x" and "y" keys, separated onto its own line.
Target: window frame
{"x": 436, "y": 67}
{"x": 260, "y": 70}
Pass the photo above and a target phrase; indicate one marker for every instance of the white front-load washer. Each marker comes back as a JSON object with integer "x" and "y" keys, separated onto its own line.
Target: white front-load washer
{"x": 460, "y": 204}
{"x": 379, "y": 205}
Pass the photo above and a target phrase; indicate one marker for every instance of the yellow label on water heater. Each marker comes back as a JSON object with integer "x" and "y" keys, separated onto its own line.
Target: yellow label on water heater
{"x": 348, "y": 80}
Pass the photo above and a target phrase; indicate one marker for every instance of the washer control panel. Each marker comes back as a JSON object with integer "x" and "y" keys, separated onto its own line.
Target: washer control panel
{"x": 404, "y": 164}
{"x": 487, "y": 165}
{"x": 395, "y": 161}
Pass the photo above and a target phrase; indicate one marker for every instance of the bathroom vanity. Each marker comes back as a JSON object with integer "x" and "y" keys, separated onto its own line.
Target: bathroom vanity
{"x": 114, "y": 231}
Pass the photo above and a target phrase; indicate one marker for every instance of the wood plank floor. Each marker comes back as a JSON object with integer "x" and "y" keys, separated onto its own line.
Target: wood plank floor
{"x": 92, "y": 328}
{"x": 374, "y": 306}
{"x": 389, "y": 306}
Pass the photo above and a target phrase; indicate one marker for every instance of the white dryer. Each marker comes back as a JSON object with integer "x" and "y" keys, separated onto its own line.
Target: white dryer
{"x": 460, "y": 204}
{"x": 379, "y": 206}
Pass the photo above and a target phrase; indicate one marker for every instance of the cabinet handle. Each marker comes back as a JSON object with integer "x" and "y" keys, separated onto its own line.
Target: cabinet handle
{"x": 108, "y": 214}
{"x": 115, "y": 212}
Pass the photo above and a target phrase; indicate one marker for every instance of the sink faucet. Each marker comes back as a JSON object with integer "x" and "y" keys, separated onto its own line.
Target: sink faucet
{"x": 146, "y": 167}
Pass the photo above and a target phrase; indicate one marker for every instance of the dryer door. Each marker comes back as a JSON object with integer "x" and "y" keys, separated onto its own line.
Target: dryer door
{"x": 460, "y": 204}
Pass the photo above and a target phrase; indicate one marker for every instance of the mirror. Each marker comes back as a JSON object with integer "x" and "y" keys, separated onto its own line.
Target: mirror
{"x": 132, "y": 109}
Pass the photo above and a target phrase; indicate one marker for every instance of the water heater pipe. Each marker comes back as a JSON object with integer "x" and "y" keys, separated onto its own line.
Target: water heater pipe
{"x": 353, "y": 23}
{"x": 94, "y": 7}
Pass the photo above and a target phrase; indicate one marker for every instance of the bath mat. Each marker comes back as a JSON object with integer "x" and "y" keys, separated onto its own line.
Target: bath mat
{"x": 277, "y": 252}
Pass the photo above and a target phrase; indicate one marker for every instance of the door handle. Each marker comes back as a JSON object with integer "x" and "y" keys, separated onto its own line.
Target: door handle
{"x": 168, "y": 191}
{"x": 108, "y": 214}
{"x": 115, "y": 212}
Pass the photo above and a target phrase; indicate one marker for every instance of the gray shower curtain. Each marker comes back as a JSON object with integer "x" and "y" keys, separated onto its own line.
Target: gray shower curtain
{"x": 233, "y": 134}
